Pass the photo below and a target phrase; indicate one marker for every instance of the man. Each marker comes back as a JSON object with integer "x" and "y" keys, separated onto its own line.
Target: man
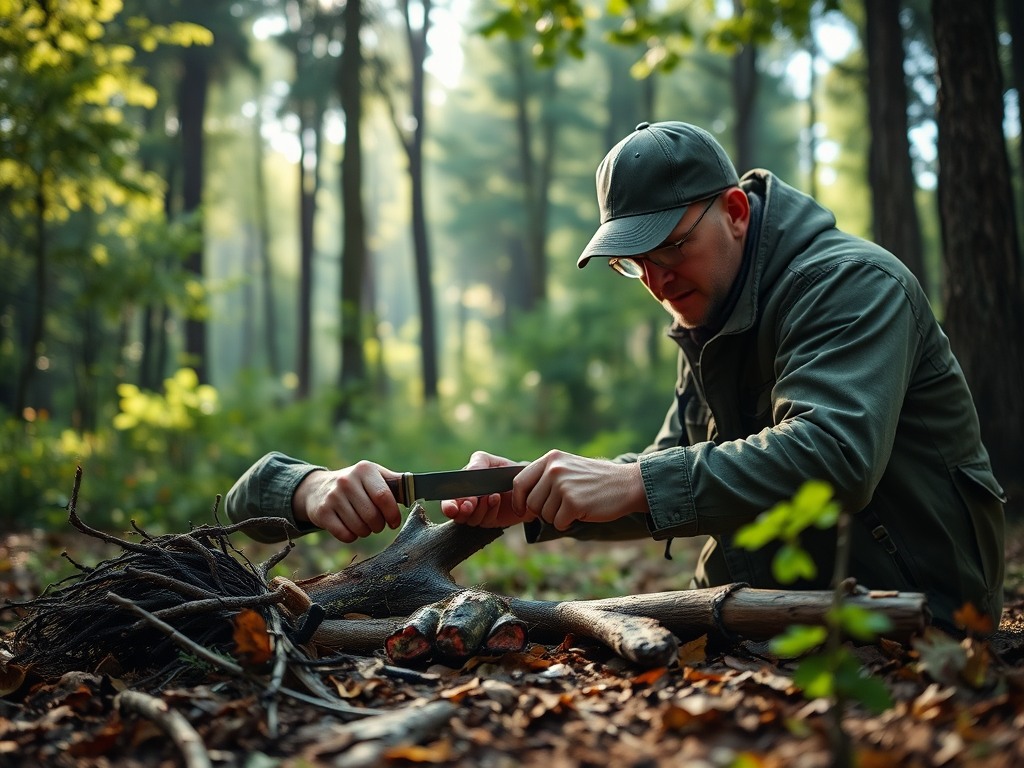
{"x": 805, "y": 353}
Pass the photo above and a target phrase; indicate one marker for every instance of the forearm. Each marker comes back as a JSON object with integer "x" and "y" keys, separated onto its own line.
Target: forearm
{"x": 266, "y": 490}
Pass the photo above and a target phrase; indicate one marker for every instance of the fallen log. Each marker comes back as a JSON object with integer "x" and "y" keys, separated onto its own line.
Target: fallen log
{"x": 416, "y": 570}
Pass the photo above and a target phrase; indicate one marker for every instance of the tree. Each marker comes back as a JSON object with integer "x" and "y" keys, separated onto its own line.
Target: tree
{"x": 64, "y": 144}
{"x": 894, "y": 213}
{"x": 353, "y": 254}
{"x": 744, "y": 90}
{"x": 411, "y": 134}
{"x": 310, "y": 29}
{"x": 984, "y": 288}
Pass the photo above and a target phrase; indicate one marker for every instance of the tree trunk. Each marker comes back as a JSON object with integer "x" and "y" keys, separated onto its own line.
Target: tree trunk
{"x": 38, "y": 328}
{"x": 744, "y": 94}
{"x": 266, "y": 264}
{"x": 191, "y": 112}
{"x": 984, "y": 288}
{"x": 417, "y": 39}
{"x": 545, "y": 171}
{"x": 524, "y": 134}
{"x": 812, "y": 117}
{"x": 894, "y": 212}
{"x": 353, "y": 255}
{"x": 536, "y": 176}
{"x": 309, "y": 182}
{"x": 1015, "y": 20}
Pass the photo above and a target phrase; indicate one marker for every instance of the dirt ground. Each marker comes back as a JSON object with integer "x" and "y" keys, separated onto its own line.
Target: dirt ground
{"x": 572, "y": 704}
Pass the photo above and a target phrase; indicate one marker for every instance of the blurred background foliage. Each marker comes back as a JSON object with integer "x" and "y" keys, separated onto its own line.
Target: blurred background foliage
{"x": 173, "y": 233}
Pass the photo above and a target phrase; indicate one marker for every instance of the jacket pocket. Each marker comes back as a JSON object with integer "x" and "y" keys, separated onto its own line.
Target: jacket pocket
{"x": 984, "y": 498}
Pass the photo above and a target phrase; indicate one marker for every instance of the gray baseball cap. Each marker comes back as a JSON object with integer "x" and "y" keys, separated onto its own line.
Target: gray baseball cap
{"x": 648, "y": 180}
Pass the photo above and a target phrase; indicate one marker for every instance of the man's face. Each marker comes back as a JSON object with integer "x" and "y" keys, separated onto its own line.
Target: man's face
{"x": 694, "y": 290}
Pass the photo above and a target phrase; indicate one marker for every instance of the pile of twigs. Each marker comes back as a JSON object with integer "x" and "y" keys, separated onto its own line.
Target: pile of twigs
{"x": 196, "y": 582}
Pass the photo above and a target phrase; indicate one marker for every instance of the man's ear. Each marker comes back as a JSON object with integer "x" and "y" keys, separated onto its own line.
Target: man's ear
{"x": 737, "y": 209}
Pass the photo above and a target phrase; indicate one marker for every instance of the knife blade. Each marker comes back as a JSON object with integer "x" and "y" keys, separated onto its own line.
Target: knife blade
{"x": 456, "y": 484}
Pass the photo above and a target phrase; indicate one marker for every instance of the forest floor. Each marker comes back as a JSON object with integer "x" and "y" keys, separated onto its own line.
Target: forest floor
{"x": 571, "y": 704}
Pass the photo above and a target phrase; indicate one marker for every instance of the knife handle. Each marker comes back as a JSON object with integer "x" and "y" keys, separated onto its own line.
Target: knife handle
{"x": 399, "y": 487}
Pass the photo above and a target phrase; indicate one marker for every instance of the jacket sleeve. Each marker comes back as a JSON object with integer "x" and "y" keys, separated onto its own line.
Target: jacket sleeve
{"x": 847, "y": 343}
{"x": 265, "y": 490}
{"x": 635, "y": 526}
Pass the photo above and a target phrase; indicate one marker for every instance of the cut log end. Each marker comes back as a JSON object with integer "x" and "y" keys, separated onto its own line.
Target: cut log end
{"x": 508, "y": 635}
{"x": 466, "y": 622}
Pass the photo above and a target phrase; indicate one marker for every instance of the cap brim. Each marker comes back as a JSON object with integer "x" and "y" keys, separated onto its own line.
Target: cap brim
{"x": 631, "y": 235}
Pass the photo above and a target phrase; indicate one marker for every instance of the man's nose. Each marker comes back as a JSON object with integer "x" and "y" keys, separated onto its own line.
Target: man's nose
{"x": 656, "y": 277}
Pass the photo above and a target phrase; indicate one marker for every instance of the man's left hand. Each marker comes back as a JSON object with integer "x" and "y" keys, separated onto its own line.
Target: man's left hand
{"x": 562, "y": 488}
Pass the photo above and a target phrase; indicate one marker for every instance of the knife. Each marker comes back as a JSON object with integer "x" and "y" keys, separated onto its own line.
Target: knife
{"x": 457, "y": 484}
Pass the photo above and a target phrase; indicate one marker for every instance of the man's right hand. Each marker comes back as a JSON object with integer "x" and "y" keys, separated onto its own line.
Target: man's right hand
{"x": 494, "y": 511}
{"x": 348, "y": 503}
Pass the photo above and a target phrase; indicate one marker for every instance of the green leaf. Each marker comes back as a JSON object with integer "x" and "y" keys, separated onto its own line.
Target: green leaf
{"x": 797, "y": 640}
{"x": 851, "y": 682}
{"x": 766, "y": 527}
{"x": 814, "y": 677}
{"x": 860, "y": 623}
{"x": 812, "y": 505}
{"x": 792, "y": 562}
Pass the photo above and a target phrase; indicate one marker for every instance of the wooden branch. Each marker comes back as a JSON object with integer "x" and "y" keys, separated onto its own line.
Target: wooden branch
{"x": 639, "y": 639}
{"x": 170, "y": 721}
{"x": 413, "y": 571}
{"x": 230, "y": 666}
{"x": 409, "y": 725}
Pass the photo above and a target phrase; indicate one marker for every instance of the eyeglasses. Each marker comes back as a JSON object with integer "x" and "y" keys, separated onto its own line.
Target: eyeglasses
{"x": 667, "y": 256}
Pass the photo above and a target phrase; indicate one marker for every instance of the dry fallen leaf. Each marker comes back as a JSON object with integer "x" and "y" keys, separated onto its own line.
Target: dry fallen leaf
{"x": 459, "y": 692}
{"x": 438, "y": 752}
{"x": 11, "y": 678}
{"x": 928, "y": 706}
{"x": 970, "y": 619}
{"x": 347, "y": 689}
{"x": 650, "y": 676}
{"x": 693, "y": 651}
{"x": 251, "y": 638}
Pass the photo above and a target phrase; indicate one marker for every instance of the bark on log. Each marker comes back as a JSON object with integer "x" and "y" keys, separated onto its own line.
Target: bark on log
{"x": 415, "y": 570}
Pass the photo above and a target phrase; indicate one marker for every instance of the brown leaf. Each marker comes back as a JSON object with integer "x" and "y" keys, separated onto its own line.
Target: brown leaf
{"x": 100, "y": 743}
{"x": 347, "y": 689}
{"x": 693, "y": 675}
{"x": 251, "y": 638}
{"x": 458, "y": 693}
{"x": 928, "y": 706}
{"x": 529, "y": 662}
{"x": 11, "y": 678}
{"x": 892, "y": 649}
{"x": 565, "y": 645}
{"x": 650, "y": 676}
{"x": 970, "y": 619}
{"x": 975, "y": 671}
{"x": 693, "y": 651}
{"x": 438, "y": 752}
{"x": 875, "y": 758}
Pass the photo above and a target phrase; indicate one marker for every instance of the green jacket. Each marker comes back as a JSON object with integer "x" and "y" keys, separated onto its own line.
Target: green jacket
{"x": 831, "y": 366}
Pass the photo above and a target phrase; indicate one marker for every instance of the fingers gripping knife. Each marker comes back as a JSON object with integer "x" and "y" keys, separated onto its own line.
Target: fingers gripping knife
{"x": 457, "y": 484}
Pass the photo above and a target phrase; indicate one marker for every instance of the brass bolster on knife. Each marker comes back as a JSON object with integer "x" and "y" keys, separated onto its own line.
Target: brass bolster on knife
{"x": 403, "y": 489}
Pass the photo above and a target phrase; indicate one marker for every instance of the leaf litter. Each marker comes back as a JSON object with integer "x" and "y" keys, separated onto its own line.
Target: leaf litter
{"x": 956, "y": 702}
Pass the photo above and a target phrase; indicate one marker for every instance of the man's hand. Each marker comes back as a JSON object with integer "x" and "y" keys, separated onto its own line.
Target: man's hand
{"x": 561, "y": 488}
{"x": 494, "y": 511}
{"x": 348, "y": 503}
